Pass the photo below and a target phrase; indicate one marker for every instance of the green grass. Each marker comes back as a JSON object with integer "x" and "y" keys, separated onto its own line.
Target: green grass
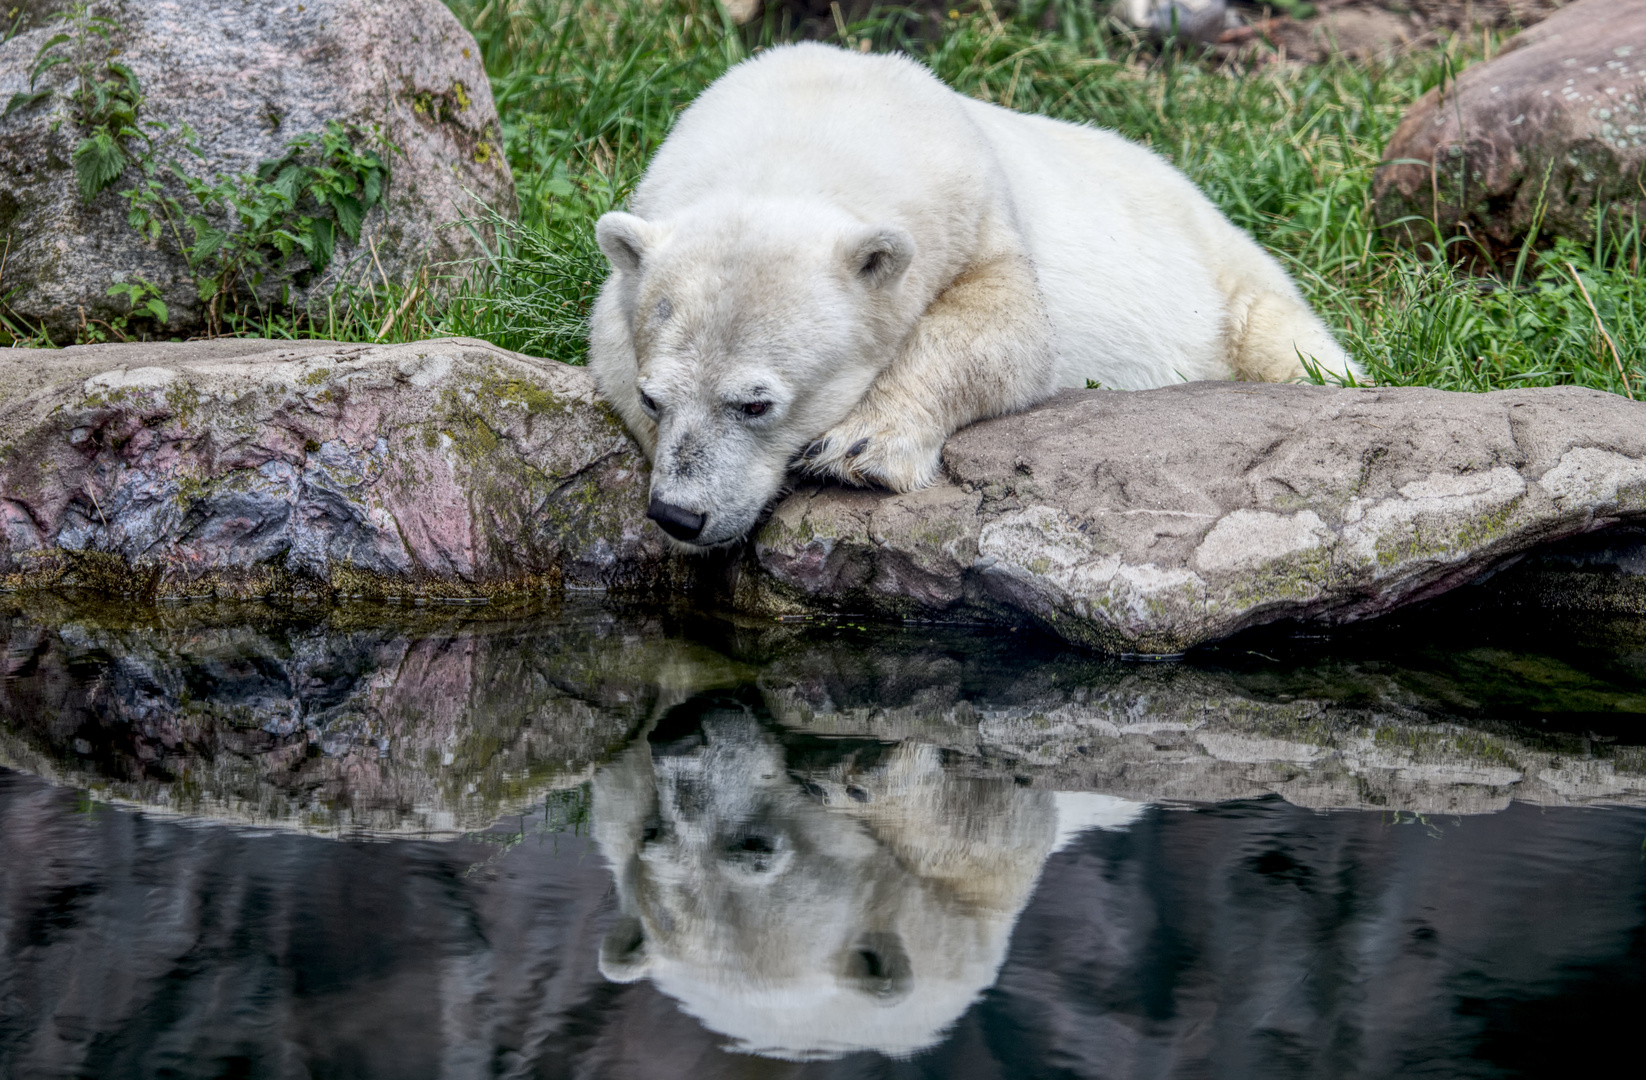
{"x": 587, "y": 89}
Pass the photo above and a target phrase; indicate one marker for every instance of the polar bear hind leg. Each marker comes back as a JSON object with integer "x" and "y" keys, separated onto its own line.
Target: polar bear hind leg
{"x": 1273, "y": 333}
{"x": 984, "y": 347}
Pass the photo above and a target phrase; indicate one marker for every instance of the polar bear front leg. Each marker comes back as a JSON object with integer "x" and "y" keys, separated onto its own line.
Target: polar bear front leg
{"x": 983, "y": 348}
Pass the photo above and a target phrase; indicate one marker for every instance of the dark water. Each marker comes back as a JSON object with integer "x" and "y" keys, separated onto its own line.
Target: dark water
{"x": 256, "y": 842}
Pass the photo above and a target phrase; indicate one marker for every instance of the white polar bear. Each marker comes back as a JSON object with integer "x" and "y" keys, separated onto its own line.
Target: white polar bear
{"x": 810, "y": 912}
{"x": 834, "y": 261}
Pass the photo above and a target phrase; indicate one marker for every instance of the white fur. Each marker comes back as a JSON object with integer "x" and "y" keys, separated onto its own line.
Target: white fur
{"x": 883, "y": 261}
{"x": 927, "y": 869}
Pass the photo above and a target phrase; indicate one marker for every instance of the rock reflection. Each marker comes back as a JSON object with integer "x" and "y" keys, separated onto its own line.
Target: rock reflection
{"x": 439, "y": 721}
{"x": 825, "y": 841}
{"x": 815, "y": 899}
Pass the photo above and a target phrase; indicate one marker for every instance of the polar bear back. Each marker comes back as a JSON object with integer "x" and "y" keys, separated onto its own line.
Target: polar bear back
{"x": 1144, "y": 281}
{"x": 1120, "y": 241}
{"x": 876, "y": 136}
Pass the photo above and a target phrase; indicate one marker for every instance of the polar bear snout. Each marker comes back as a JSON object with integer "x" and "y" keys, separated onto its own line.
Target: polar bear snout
{"x": 677, "y": 521}
{"x": 878, "y": 965}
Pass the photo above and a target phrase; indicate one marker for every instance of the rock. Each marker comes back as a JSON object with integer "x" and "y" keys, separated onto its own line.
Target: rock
{"x": 1359, "y": 32}
{"x": 1149, "y": 522}
{"x": 1143, "y": 522}
{"x": 248, "y": 78}
{"x": 1557, "y": 121}
{"x": 361, "y": 718}
{"x": 1602, "y": 573}
{"x": 240, "y": 468}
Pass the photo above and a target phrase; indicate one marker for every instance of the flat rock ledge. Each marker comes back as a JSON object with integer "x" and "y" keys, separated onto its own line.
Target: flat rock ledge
{"x": 1131, "y": 522}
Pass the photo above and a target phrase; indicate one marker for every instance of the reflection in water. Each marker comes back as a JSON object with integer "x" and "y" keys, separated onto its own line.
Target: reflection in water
{"x": 704, "y": 850}
{"x": 856, "y": 897}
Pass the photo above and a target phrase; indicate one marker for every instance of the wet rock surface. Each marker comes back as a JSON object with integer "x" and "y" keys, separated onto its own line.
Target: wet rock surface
{"x": 1549, "y": 130}
{"x": 1150, "y": 522}
{"x": 248, "y": 78}
{"x": 250, "y": 468}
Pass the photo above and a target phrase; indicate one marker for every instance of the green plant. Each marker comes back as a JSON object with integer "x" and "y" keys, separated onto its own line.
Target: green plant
{"x": 103, "y": 95}
{"x": 142, "y": 299}
{"x": 234, "y": 230}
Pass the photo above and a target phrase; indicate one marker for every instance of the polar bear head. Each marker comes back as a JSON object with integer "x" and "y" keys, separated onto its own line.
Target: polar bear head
{"x": 817, "y": 899}
{"x": 731, "y": 336}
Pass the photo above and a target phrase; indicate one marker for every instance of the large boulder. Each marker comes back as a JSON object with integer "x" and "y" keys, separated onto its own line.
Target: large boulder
{"x": 1149, "y": 522}
{"x": 1142, "y": 522}
{"x": 1546, "y": 132}
{"x": 252, "y": 468}
{"x": 248, "y": 78}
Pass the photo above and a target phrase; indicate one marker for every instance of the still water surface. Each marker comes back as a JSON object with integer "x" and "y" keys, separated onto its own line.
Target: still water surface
{"x": 250, "y": 842}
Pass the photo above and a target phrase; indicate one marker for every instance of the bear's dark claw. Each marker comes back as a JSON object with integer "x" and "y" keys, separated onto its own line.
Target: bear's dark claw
{"x": 814, "y": 449}
{"x": 858, "y": 447}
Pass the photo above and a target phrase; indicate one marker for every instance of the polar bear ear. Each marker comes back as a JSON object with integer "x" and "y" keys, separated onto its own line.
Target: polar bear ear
{"x": 623, "y": 956}
{"x": 879, "y": 256}
{"x": 624, "y": 238}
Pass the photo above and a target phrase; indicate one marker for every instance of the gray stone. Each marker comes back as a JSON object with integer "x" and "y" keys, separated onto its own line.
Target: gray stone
{"x": 1143, "y": 522}
{"x": 241, "y": 468}
{"x": 1557, "y": 121}
{"x": 1150, "y": 522}
{"x": 248, "y": 77}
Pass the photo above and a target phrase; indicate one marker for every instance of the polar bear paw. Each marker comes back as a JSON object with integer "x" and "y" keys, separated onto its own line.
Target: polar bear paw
{"x": 867, "y": 452}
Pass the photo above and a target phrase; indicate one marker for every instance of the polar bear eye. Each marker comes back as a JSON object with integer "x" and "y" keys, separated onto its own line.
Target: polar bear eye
{"x": 647, "y": 403}
{"x": 756, "y": 408}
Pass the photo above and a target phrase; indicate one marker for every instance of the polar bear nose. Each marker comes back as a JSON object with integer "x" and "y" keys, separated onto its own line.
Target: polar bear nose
{"x": 677, "y": 521}
{"x": 879, "y": 966}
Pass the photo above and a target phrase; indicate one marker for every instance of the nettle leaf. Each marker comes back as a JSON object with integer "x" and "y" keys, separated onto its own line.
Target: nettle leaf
{"x": 324, "y": 242}
{"x": 125, "y": 73}
{"x": 44, "y": 66}
{"x": 22, "y": 100}
{"x": 349, "y": 212}
{"x": 207, "y": 240}
{"x": 158, "y": 309}
{"x": 50, "y": 44}
{"x": 98, "y": 162}
{"x": 288, "y": 182}
{"x": 372, "y": 189}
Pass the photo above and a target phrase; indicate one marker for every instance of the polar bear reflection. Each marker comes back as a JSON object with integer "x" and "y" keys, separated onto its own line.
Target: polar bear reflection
{"x": 845, "y": 896}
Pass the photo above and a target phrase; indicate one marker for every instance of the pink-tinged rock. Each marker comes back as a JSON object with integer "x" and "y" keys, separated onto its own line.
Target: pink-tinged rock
{"x": 234, "y": 468}
{"x": 1557, "y": 122}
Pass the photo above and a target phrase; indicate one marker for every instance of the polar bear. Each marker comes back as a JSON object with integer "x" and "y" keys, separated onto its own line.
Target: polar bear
{"x": 833, "y": 262}
{"x": 809, "y": 909}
